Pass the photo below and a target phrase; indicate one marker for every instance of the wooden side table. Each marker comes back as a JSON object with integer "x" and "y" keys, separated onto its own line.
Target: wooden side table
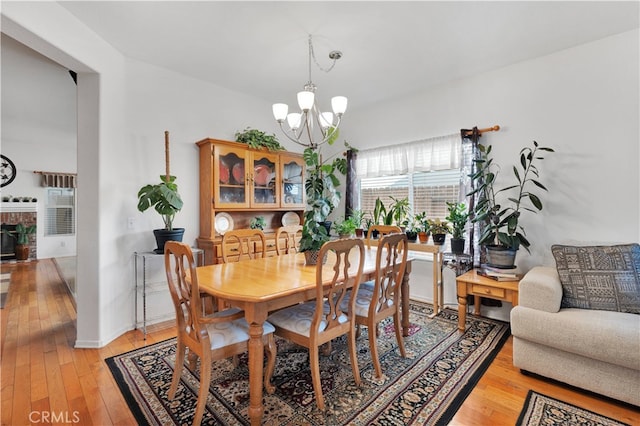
{"x": 479, "y": 286}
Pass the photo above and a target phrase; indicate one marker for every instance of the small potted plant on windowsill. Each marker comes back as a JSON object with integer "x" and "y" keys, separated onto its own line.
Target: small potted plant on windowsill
{"x": 439, "y": 230}
{"x": 411, "y": 228}
{"x": 422, "y": 224}
{"x": 358, "y": 218}
{"x": 458, "y": 216}
{"x": 345, "y": 228}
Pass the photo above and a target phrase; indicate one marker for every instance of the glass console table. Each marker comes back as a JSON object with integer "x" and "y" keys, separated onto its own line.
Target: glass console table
{"x": 154, "y": 260}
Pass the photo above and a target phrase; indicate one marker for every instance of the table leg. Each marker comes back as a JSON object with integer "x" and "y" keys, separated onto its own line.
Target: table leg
{"x": 438, "y": 284}
{"x": 476, "y": 305}
{"x": 462, "y": 305}
{"x": 436, "y": 296}
{"x": 256, "y": 358}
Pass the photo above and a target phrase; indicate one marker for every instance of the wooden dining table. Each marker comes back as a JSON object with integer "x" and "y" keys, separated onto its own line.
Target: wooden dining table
{"x": 260, "y": 286}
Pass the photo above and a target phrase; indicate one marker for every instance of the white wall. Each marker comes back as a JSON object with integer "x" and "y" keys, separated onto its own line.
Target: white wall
{"x": 38, "y": 130}
{"x": 583, "y": 102}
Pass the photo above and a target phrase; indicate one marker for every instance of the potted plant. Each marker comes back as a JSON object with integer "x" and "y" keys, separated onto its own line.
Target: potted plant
{"x": 21, "y": 234}
{"x": 358, "y": 218}
{"x": 458, "y": 217}
{"x": 322, "y": 196}
{"x": 345, "y": 228}
{"x": 398, "y": 211}
{"x": 257, "y": 139}
{"x": 439, "y": 230}
{"x": 411, "y": 228}
{"x": 166, "y": 201}
{"x": 258, "y": 222}
{"x": 379, "y": 213}
{"x": 422, "y": 225}
{"x": 499, "y": 210}
{"x": 368, "y": 223}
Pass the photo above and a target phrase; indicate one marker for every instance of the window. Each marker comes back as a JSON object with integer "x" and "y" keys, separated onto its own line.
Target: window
{"x": 427, "y": 191}
{"x": 427, "y": 172}
{"x": 60, "y": 212}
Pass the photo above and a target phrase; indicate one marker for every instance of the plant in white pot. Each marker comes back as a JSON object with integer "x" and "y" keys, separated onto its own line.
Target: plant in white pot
{"x": 166, "y": 201}
{"x": 498, "y": 210}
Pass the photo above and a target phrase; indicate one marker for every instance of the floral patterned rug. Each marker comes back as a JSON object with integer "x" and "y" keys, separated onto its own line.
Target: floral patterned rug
{"x": 427, "y": 387}
{"x": 542, "y": 410}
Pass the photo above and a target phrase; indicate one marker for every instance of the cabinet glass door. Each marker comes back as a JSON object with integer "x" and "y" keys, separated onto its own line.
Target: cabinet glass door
{"x": 231, "y": 179}
{"x": 265, "y": 189}
{"x": 292, "y": 182}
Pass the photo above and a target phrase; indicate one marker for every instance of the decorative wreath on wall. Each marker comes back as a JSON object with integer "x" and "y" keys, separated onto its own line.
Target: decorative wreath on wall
{"x": 7, "y": 171}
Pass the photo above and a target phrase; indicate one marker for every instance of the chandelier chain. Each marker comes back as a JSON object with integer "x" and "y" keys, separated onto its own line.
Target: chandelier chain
{"x": 333, "y": 55}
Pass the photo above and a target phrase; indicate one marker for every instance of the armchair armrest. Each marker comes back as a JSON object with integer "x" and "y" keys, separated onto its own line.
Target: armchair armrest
{"x": 540, "y": 289}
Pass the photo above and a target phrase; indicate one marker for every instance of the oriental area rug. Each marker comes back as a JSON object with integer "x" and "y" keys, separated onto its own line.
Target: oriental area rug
{"x": 427, "y": 387}
{"x": 542, "y": 410}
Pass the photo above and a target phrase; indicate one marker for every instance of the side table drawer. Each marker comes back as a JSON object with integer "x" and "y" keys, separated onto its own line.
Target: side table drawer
{"x": 489, "y": 291}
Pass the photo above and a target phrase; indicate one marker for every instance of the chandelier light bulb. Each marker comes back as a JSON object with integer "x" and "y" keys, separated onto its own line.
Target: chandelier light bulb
{"x": 305, "y": 100}
{"x": 280, "y": 112}
{"x": 294, "y": 120}
{"x": 326, "y": 119}
{"x": 339, "y": 105}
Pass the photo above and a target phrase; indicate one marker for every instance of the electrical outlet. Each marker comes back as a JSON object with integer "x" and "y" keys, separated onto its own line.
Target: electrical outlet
{"x": 131, "y": 222}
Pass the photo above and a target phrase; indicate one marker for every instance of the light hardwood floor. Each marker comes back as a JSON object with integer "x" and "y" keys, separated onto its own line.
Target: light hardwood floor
{"x": 43, "y": 376}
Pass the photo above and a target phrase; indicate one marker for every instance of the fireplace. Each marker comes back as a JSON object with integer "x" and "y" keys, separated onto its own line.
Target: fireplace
{"x": 12, "y": 214}
{"x": 8, "y": 251}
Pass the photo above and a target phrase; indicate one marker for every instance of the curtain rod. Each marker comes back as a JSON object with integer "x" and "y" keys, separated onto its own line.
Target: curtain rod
{"x": 53, "y": 173}
{"x": 488, "y": 129}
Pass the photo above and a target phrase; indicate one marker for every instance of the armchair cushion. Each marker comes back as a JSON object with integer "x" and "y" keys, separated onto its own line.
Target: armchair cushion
{"x": 599, "y": 277}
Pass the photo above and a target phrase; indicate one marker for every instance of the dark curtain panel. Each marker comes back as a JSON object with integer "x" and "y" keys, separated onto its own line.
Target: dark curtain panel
{"x": 470, "y": 140}
{"x": 350, "y": 192}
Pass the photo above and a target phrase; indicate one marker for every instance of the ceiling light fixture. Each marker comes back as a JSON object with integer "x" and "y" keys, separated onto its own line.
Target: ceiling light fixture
{"x": 302, "y": 124}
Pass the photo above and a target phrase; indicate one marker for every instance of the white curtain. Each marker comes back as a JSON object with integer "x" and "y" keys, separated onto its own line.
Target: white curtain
{"x": 438, "y": 153}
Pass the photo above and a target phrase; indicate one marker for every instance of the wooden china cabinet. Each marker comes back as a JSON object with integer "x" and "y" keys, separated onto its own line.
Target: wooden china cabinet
{"x": 238, "y": 183}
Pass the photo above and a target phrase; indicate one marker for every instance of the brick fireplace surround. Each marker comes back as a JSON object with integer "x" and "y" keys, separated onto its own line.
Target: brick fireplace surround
{"x": 26, "y": 213}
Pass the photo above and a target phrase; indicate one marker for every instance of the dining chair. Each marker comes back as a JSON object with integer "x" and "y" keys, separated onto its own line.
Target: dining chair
{"x": 288, "y": 238}
{"x": 242, "y": 244}
{"x": 382, "y": 231}
{"x": 213, "y": 337}
{"x": 314, "y": 323}
{"x": 372, "y": 305}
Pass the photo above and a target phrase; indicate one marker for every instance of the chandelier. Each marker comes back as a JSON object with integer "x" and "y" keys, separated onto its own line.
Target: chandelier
{"x": 302, "y": 124}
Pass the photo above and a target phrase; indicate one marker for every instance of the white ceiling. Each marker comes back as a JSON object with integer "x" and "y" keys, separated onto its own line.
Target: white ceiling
{"x": 389, "y": 48}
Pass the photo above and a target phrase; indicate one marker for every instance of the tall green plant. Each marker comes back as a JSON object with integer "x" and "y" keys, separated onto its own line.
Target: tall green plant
{"x": 500, "y": 209}
{"x": 321, "y": 188}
